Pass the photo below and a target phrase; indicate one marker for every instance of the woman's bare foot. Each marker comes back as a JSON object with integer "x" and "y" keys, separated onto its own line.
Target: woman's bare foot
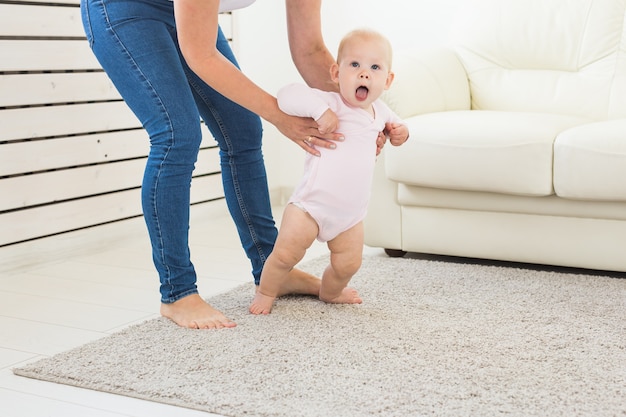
{"x": 346, "y": 296}
{"x": 261, "y": 304}
{"x": 194, "y": 313}
{"x": 301, "y": 283}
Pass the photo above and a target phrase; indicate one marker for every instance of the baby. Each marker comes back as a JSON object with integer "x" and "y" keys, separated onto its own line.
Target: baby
{"x": 331, "y": 200}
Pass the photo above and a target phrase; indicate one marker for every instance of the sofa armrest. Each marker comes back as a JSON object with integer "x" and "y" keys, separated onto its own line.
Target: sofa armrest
{"x": 383, "y": 223}
{"x": 427, "y": 81}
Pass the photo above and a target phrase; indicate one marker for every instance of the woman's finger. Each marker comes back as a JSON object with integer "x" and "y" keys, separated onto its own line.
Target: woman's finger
{"x": 308, "y": 145}
{"x": 380, "y": 142}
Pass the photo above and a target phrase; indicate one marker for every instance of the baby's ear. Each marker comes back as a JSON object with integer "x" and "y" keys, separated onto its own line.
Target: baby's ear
{"x": 334, "y": 72}
{"x": 390, "y": 78}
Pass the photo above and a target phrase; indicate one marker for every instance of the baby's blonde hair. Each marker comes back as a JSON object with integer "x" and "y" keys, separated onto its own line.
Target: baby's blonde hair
{"x": 365, "y": 34}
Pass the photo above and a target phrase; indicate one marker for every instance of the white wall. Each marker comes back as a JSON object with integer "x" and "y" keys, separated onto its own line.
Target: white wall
{"x": 263, "y": 52}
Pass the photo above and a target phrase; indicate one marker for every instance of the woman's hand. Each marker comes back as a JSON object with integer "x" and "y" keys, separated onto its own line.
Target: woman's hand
{"x": 303, "y": 131}
{"x": 380, "y": 142}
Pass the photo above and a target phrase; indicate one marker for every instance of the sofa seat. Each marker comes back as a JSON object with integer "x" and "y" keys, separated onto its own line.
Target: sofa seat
{"x": 552, "y": 205}
{"x": 590, "y": 161}
{"x": 491, "y": 151}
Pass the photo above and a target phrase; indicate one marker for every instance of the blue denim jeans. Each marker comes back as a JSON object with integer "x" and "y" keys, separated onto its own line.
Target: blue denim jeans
{"x": 135, "y": 41}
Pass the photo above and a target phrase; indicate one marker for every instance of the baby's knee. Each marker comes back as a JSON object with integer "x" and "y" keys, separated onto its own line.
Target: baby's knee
{"x": 285, "y": 258}
{"x": 347, "y": 267}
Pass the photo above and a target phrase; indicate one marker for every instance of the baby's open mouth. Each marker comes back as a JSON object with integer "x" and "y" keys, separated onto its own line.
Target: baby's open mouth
{"x": 361, "y": 93}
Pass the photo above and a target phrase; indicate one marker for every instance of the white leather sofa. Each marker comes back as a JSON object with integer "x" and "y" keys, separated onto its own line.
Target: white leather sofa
{"x": 517, "y": 147}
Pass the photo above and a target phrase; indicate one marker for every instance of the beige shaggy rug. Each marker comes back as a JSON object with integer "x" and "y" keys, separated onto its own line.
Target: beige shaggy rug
{"x": 432, "y": 338}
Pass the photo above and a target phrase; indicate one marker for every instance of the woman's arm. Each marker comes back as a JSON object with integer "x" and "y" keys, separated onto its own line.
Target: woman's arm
{"x": 306, "y": 43}
{"x": 196, "y": 24}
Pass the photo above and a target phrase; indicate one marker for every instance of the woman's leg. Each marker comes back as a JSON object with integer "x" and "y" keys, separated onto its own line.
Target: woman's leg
{"x": 239, "y": 135}
{"x": 134, "y": 42}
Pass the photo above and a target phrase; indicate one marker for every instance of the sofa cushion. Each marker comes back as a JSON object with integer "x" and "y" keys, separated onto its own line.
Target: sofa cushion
{"x": 562, "y": 57}
{"x": 502, "y": 152}
{"x": 438, "y": 76}
{"x": 590, "y": 161}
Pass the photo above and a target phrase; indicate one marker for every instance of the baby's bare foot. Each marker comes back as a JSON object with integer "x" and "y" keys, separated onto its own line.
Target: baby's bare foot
{"x": 194, "y": 313}
{"x": 261, "y": 304}
{"x": 346, "y": 296}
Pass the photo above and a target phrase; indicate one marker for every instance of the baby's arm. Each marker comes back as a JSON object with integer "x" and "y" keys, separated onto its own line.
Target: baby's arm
{"x": 328, "y": 122}
{"x": 301, "y": 100}
{"x": 398, "y": 133}
{"x": 395, "y": 128}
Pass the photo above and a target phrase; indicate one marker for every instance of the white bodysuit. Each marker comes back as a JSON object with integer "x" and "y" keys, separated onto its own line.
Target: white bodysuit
{"x": 336, "y": 187}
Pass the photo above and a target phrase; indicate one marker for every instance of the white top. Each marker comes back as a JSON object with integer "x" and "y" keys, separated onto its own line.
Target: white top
{"x": 229, "y": 5}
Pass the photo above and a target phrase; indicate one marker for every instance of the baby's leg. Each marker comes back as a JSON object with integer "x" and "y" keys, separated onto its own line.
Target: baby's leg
{"x": 297, "y": 232}
{"x": 346, "y": 252}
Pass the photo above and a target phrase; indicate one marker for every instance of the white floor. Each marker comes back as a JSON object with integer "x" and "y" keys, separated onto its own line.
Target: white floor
{"x": 61, "y": 292}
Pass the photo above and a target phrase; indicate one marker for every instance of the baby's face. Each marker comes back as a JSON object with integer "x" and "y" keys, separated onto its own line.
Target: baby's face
{"x": 363, "y": 72}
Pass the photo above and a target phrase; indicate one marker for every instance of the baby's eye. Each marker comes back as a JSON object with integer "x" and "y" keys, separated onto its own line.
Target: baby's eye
{"x": 375, "y": 67}
{"x": 354, "y": 64}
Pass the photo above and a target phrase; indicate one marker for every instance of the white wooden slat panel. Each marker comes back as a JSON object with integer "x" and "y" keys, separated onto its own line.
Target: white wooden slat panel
{"x": 43, "y": 20}
{"x": 226, "y": 23}
{"x": 41, "y": 155}
{"x": 208, "y": 141}
{"x": 44, "y": 55}
{"x": 38, "y": 122}
{"x": 35, "y": 20}
{"x": 68, "y": 2}
{"x": 71, "y": 152}
{"x": 30, "y": 190}
{"x": 208, "y": 162}
{"x": 32, "y": 223}
{"x": 22, "y": 225}
{"x": 77, "y": 2}
{"x": 33, "y": 89}
{"x": 206, "y": 188}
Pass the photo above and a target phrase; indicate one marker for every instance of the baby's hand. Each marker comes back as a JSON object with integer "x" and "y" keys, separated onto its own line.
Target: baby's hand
{"x": 398, "y": 133}
{"x": 327, "y": 122}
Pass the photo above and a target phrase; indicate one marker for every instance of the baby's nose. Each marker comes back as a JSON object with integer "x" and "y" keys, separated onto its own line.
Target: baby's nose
{"x": 364, "y": 75}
